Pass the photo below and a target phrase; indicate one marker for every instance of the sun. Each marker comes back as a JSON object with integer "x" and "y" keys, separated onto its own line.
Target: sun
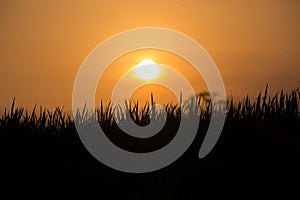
{"x": 147, "y": 70}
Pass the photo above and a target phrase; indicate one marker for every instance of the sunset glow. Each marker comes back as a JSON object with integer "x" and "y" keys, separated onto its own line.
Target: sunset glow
{"x": 145, "y": 99}
{"x": 43, "y": 44}
{"x": 147, "y": 70}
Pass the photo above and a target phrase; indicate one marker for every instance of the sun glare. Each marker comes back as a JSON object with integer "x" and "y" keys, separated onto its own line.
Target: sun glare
{"x": 147, "y": 70}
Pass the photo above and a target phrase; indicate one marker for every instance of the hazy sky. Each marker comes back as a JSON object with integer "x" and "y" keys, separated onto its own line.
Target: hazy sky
{"x": 43, "y": 43}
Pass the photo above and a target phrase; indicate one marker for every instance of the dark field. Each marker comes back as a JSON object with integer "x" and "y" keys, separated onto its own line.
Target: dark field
{"x": 256, "y": 157}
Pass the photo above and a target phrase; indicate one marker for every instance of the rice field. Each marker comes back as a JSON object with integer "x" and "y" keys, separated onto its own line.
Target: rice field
{"x": 258, "y": 151}
{"x": 281, "y": 106}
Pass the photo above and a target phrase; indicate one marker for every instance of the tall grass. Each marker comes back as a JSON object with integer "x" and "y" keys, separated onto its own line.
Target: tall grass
{"x": 42, "y": 121}
{"x": 281, "y": 106}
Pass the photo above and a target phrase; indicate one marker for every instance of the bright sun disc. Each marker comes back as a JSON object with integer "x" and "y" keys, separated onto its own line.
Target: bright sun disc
{"x": 147, "y": 70}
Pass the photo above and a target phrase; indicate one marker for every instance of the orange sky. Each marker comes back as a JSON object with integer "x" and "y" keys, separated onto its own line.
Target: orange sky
{"x": 130, "y": 60}
{"x": 43, "y": 43}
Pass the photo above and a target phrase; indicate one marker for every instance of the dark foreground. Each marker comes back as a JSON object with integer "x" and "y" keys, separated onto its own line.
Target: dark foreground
{"x": 257, "y": 157}
{"x": 244, "y": 170}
